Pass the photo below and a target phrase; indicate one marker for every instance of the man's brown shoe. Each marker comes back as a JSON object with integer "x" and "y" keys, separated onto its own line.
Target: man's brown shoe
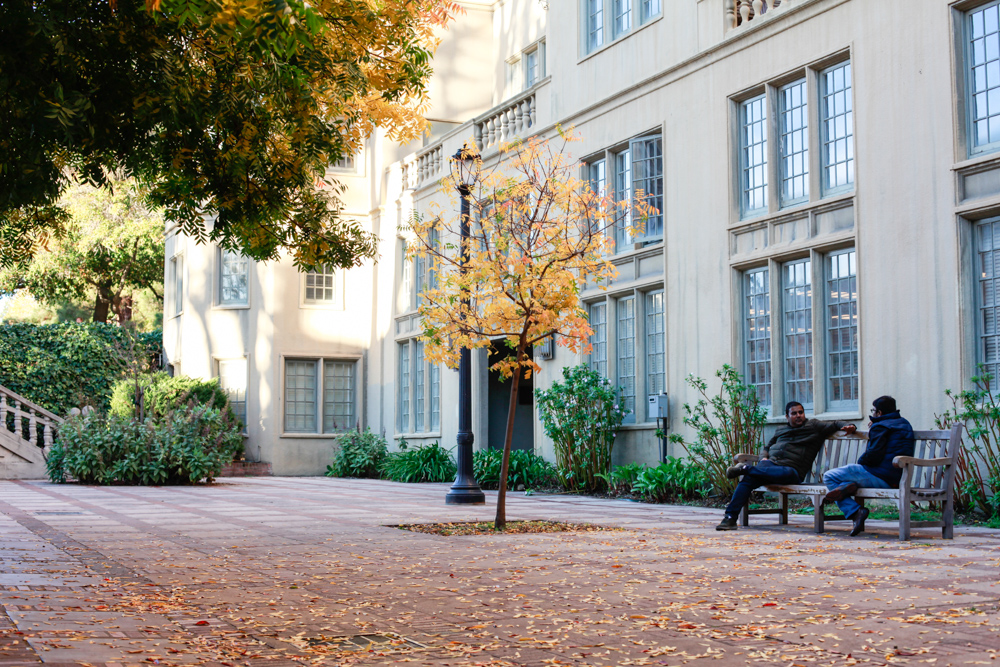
{"x": 732, "y": 472}
{"x": 859, "y": 521}
{"x": 841, "y": 492}
{"x": 727, "y": 523}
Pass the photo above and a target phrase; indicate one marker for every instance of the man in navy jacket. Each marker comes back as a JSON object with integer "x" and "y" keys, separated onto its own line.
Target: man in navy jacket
{"x": 889, "y": 436}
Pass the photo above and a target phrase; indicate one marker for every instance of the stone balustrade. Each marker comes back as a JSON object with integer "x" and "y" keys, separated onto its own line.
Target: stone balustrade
{"x": 742, "y": 12}
{"x": 27, "y": 421}
{"x": 506, "y": 122}
{"x": 429, "y": 163}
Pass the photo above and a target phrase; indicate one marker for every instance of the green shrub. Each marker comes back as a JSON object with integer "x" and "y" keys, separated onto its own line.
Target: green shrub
{"x": 735, "y": 426}
{"x": 360, "y": 455}
{"x": 427, "y": 463}
{"x": 163, "y": 394}
{"x": 525, "y": 468}
{"x": 63, "y": 366}
{"x": 622, "y": 478}
{"x": 674, "y": 478}
{"x": 581, "y": 416}
{"x": 186, "y": 446}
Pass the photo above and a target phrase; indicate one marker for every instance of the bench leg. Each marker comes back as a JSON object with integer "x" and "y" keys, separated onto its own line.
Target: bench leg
{"x": 818, "y": 514}
{"x": 783, "y": 509}
{"x": 745, "y": 515}
{"x": 904, "y": 516}
{"x": 948, "y": 517}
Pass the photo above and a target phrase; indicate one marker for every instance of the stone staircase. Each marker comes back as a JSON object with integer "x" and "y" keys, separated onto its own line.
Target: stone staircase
{"x": 26, "y": 433}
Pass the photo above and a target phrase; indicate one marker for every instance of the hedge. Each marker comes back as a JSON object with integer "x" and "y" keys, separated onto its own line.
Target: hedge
{"x": 62, "y": 366}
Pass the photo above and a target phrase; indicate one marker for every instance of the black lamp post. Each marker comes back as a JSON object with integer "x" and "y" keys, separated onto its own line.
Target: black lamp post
{"x": 465, "y": 167}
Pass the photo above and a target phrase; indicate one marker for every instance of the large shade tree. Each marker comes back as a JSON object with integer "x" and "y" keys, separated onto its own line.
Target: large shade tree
{"x": 539, "y": 232}
{"x": 229, "y": 111}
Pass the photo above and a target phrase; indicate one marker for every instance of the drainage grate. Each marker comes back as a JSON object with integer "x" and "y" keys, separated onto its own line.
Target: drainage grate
{"x": 56, "y": 513}
{"x": 385, "y": 641}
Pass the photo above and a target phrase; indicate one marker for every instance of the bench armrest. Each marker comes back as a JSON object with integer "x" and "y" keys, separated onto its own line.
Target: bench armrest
{"x": 903, "y": 461}
{"x": 747, "y": 458}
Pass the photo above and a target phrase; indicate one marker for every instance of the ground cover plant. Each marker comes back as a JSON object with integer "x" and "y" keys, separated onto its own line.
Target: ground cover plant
{"x": 728, "y": 423}
{"x": 527, "y": 469}
{"x": 360, "y": 454}
{"x": 673, "y": 479}
{"x": 186, "y": 446}
{"x": 581, "y": 415}
{"x": 424, "y": 463}
{"x": 488, "y": 528}
{"x": 621, "y": 479}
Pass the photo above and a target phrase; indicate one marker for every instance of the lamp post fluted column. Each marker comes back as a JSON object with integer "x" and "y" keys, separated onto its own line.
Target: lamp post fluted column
{"x": 465, "y": 490}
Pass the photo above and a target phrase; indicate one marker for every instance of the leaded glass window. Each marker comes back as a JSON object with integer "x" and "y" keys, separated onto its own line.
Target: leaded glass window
{"x": 623, "y": 192}
{"x": 842, "y": 330}
{"x": 647, "y": 181}
{"x": 753, "y": 151}
{"x": 798, "y": 330}
{"x": 595, "y": 24}
{"x": 794, "y": 143}
{"x": 983, "y": 57}
{"x": 655, "y": 343}
{"x": 418, "y": 387}
{"x": 300, "y": 396}
{"x": 757, "y": 337}
{"x": 622, "y": 16}
{"x": 435, "y": 373}
{"x": 338, "y": 396}
{"x": 321, "y": 286}
{"x": 599, "y": 338}
{"x": 626, "y": 354}
{"x": 837, "y": 124}
{"x": 404, "y": 387}
{"x": 988, "y": 278}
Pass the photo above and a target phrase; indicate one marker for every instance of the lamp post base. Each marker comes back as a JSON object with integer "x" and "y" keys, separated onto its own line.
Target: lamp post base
{"x": 465, "y": 495}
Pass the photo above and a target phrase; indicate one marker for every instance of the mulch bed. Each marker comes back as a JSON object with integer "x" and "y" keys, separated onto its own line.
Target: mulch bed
{"x": 513, "y": 527}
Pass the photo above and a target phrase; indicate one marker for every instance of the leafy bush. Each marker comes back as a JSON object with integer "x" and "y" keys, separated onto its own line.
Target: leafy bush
{"x": 163, "y": 394}
{"x": 427, "y": 463}
{"x": 978, "y": 473}
{"x": 674, "y": 478}
{"x": 738, "y": 425}
{"x": 63, "y": 366}
{"x": 622, "y": 478}
{"x": 360, "y": 455}
{"x": 581, "y": 416}
{"x": 525, "y": 468}
{"x": 186, "y": 446}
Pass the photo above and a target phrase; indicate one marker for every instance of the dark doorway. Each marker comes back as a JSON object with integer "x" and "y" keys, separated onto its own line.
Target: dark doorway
{"x": 499, "y": 402}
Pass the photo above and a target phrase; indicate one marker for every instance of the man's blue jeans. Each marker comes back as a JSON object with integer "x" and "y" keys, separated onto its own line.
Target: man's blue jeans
{"x": 764, "y": 473}
{"x": 852, "y": 473}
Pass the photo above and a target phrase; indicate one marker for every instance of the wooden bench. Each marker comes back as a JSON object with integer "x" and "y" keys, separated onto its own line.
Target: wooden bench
{"x": 927, "y": 476}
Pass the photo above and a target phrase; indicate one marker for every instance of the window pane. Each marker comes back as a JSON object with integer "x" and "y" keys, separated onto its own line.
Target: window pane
{"x": 338, "y": 396}
{"x": 599, "y": 339}
{"x": 404, "y": 387}
{"x": 418, "y": 387}
{"x": 234, "y": 270}
{"x": 233, "y": 378}
{"x": 650, "y": 8}
{"x": 988, "y": 260}
{"x": 420, "y": 277}
{"x": 300, "y": 396}
{"x": 647, "y": 181}
{"x": 837, "y": 122}
{"x": 595, "y": 24}
{"x": 623, "y": 192}
{"x": 794, "y": 143}
{"x": 531, "y": 68}
{"x": 753, "y": 155}
{"x": 655, "y": 344}
{"x": 626, "y": 355}
{"x": 842, "y": 326}
{"x": 797, "y": 330}
{"x": 622, "y": 16}
{"x": 435, "y": 371}
{"x": 757, "y": 344}
{"x": 320, "y": 286}
{"x": 984, "y": 75}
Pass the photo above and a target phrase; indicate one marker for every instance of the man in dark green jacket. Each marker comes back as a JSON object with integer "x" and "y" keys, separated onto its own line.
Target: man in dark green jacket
{"x": 787, "y": 458}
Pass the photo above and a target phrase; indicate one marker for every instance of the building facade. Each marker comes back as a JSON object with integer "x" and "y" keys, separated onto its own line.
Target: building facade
{"x": 827, "y": 175}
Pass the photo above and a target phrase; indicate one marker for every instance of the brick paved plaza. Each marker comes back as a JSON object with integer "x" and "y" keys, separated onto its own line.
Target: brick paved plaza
{"x": 277, "y": 571}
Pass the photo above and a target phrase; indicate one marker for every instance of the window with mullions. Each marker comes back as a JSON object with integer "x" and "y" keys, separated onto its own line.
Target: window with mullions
{"x": 319, "y": 393}
{"x": 757, "y": 333}
{"x": 418, "y": 397}
{"x": 404, "y": 387}
{"x": 323, "y": 288}
{"x": 988, "y": 301}
{"x": 177, "y": 269}
{"x": 626, "y": 355}
{"x": 418, "y": 387}
{"x": 435, "y": 374}
{"x": 837, "y": 120}
{"x": 842, "y": 330}
{"x": 982, "y": 37}
{"x": 638, "y": 173}
{"x": 615, "y": 17}
{"x": 797, "y": 329}
{"x": 234, "y": 278}
{"x": 599, "y": 338}
{"x": 656, "y": 374}
{"x": 794, "y": 143}
{"x": 753, "y": 152}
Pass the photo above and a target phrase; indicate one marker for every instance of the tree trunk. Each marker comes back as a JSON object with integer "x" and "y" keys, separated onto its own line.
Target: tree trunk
{"x": 501, "y": 521}
{"x": 122, "y": 307}
{"x": 101, "y": 308}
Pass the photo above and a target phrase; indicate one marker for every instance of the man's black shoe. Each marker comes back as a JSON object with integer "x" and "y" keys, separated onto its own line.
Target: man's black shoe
{"x": 732, "y": 472}
{"x": 841, "y": 492}
{"x": 859, "y": 521}
{"x": 727, "y": 523}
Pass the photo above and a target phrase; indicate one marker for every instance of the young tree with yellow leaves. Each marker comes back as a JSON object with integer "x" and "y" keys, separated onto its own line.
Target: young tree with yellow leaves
{"x": 537, "y": 232}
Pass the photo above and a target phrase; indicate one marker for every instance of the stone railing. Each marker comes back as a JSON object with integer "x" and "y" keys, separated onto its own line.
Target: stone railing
{"x": 409, "y": 167}
{"x": 429, "y": 163}
{"x": 742, "y": 12}
{"x": 505, "y": 122}
{"x": 26, "y": 421}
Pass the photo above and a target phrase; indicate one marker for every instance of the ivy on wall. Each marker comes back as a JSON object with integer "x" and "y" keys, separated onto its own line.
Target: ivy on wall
{"x": 62, "y": 366}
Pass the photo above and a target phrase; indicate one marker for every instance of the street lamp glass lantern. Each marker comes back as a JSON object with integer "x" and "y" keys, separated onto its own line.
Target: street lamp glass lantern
{"x": 465, "y": 167}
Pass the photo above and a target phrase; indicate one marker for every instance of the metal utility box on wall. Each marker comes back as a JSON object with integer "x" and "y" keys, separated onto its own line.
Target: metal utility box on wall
{"x": 659, "y": 407}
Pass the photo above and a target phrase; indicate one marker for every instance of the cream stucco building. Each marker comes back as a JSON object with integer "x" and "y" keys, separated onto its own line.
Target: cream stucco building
{"x": 828, "y": 176}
